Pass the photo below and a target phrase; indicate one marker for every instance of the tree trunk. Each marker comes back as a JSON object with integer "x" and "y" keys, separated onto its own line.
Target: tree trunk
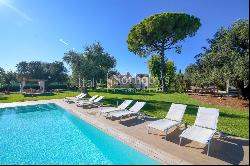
{"x": 242, "y": 90}
{"x": 163, "y": 72}
{"x": 84, "y": 88}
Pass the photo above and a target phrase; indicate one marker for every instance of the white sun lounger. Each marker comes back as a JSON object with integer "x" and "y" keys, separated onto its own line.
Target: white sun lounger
{"x": 87, "y": 100}
{"x": 93, "y": 102}
{"x": 121, "y": 107}
{"x": 204, "y": 127}
{"x": 173, "y": 118}
{"x": 76, "y": 98}
{"x": 134, "y": 110}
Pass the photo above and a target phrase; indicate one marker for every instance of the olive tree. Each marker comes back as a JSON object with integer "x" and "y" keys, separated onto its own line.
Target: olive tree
{"x": 226, "y": 58}
{"x": 161, "y": 32}
{"x": 2, "y": 75}
{"x": 92, "y": 64}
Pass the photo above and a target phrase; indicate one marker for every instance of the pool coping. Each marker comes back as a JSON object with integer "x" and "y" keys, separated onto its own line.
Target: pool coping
{"x": 156, "y": 154}
{"x": 146, "y": 149}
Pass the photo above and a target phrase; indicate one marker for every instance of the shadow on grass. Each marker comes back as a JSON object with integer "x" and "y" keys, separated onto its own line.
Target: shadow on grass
{"x": 160, "y": 108}
{"x": 3, "y": 98}
{"x": 112, "y": 101}
{"x": 40, "y": 95}
{"x": 122, "y": 92}
{"x": 191, "y": 109}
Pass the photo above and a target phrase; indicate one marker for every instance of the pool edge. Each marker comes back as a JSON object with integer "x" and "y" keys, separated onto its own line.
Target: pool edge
{"x": 144, "y": 148}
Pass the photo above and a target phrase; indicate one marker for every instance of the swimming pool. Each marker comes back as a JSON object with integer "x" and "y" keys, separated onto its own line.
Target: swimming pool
{"x": 47, "y": 134}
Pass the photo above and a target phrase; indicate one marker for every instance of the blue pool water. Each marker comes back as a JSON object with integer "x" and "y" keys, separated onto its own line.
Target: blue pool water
{"x": 47, "y": 134}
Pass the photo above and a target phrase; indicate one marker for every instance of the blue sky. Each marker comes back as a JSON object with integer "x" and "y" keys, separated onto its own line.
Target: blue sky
{"x": 45, "y": 29}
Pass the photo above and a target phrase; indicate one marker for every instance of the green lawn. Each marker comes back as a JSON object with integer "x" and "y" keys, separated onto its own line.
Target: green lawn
{"x": 18, "y": 97}
{"x": 231, "y": 121}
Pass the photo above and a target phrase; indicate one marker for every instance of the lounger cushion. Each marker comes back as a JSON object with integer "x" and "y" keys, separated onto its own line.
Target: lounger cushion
{"x": 137, "y": 107}
{"x": 198, "y": 134}
{"x": 75, "y": 99}
{"x": 121, "y": 107}
{"x": 133, "y": 110}
{"x": 82, "y": 103}
{"x": 120, "y": 113}
{"x": 125, "y": 104}
{"x": 109, "y": 109}
{"x": 163, "y": 124}
{"x": 86, "y": 103}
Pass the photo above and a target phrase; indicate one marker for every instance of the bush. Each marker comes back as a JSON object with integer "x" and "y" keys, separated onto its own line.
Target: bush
{"x": 56, "y": 86}
{"x": 12, "y": 88}
{"x": 16, "y": 87}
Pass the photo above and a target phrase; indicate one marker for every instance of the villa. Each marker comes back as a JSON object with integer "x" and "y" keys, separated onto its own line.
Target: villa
{"x": 140, "y": 81}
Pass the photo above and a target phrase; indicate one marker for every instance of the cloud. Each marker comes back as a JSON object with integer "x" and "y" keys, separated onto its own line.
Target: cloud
{"x": 62, "y": 41}
{"x": 14, "y": 9}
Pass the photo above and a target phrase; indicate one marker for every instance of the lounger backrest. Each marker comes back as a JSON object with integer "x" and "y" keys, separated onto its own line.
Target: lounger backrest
{"x": 207, "y": 117}
{"x": 82, "y": 96}
{"x": 137, "y": 106}
{"x": 124, "y": 104}
{"x": 79, "y": 95}
{"x": 176, "y": 112}
{"x": 98, "y": 99}
{"x": 93, "y": 98}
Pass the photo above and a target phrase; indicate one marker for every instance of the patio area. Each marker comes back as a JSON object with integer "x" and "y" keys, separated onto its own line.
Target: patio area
{"x": 133, "y": 131}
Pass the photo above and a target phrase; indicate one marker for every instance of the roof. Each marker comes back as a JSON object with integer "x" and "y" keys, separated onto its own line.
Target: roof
{"x": 33, "y": 80}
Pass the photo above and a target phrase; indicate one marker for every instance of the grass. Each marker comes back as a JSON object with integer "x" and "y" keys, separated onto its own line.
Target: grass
{"x": 19, "y": 97}
{"x": 231, "y": 121}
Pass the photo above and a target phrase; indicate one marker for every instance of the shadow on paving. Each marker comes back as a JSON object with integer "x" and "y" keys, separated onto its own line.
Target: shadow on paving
{"x": 229, "y": 149}
{"x": 225, "y": 148}
{"x": 133, "y": 121}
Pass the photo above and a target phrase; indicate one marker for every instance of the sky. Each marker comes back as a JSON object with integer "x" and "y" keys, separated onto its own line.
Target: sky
{"x": 43, "y": 30}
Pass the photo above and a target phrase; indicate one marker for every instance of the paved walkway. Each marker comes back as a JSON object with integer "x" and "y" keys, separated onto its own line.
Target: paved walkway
{"x": 133, "y": 131}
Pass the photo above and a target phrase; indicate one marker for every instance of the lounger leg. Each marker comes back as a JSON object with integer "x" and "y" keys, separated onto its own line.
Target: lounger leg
{"x": 208, "y": 148}
{"x": 148, "y": 130}
{"x": 166, "y": 134}
{"x": 108, "y": 116}
{"x": 180, "y": 141}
